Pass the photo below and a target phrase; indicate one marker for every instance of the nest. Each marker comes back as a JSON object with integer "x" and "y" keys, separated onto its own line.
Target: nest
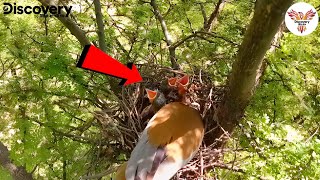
{"x": 123, "y": 121}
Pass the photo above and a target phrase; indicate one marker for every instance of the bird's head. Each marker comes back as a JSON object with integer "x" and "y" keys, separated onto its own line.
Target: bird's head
{"x": 156, "y": 98}
{"x": 179, "y": 86}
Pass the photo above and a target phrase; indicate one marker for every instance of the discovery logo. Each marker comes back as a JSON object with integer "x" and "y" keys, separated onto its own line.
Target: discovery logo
{"x": 42, "y": 10}
{"x": 301, "y": 19}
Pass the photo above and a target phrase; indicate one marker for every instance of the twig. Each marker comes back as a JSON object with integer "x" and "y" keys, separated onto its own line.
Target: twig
{"x": 313, "y": 134}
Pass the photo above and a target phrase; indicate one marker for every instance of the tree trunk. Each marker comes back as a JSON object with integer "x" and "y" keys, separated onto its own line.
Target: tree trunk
{"x": 244, "y": 78}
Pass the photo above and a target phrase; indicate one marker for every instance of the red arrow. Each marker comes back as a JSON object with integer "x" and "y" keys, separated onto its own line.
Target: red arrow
{"x": 96, "y": 60}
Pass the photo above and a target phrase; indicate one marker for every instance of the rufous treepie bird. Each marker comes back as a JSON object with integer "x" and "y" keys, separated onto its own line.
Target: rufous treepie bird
{"x": 157, "y": 100}
{"x": 170, "y": 140}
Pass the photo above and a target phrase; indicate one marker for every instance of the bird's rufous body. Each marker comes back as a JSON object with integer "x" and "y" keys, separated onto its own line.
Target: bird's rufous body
{"x": 170, "y": 140}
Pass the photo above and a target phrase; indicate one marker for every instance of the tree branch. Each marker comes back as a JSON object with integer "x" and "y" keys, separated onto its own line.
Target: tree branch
{"x": 70, "y": 24}
{"x": 178, "y": 43}
{"x": 217, "y": 36}
{"x": 223, "y": 166}
{"x": 166, "y": 33}
{"x": 214, "y": 15}
{"x": 159, "y": 17}
{"x": 204, "y": 15}
{"x": 197, "y": 34}
{"x": 100, "y": 24}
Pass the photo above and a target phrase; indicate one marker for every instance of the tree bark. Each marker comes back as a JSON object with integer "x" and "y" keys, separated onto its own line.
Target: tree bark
{"x": 17, "y": 172}
{"x": 244, "y": 78}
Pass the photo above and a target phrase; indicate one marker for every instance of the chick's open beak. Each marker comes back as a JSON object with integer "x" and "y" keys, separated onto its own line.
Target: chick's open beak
{"x": 151, "y": 95}
{"x": 182, "y": 84}
{"x": 184, "y": 81}
{"x": 172, "y": 82}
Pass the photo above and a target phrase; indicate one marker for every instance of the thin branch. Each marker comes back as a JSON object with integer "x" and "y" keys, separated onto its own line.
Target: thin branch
{"x": 214, "y": 15}
{"x": 166, "y": 33}
{"x": 204, "y": 15}
{"x": 45, "y": 22}
{"x": 81, "y": 139}
{"x": 32, "y": 38}
{"x": 178, "y": 43}
{"x": 164, "y": 27}
{"x": 122, "y": 47}
{"x": 4, "y": 71}
{"x": 219, "y": 37}
{"x": 313, "y": 134}
{"x": 223, "y": 166}
{"x": 169, "y": 10}
{"x": 197, "y": 34}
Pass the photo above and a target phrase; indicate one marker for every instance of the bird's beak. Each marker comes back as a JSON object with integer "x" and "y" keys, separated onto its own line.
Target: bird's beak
{"x": 172, "y": 82}
{"x": 181, "y": 89}
{"x": 184, "y": 81}
{"x": 151, "y": 95}
{"x": 182, "y": 84}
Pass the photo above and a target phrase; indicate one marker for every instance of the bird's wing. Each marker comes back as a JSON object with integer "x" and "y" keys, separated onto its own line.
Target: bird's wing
{"x": 294, "y": 15}
{"x": 309, "y": 15}
{"x": 167, "y": 144}
{"x": 141, "y": 158}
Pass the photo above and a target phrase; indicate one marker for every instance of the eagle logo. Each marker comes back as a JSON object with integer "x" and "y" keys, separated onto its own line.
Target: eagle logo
{"x": 301, "y": 19}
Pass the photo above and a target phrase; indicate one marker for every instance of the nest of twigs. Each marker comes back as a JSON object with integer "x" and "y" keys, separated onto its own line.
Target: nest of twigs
{"x": 123, "y": 121}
